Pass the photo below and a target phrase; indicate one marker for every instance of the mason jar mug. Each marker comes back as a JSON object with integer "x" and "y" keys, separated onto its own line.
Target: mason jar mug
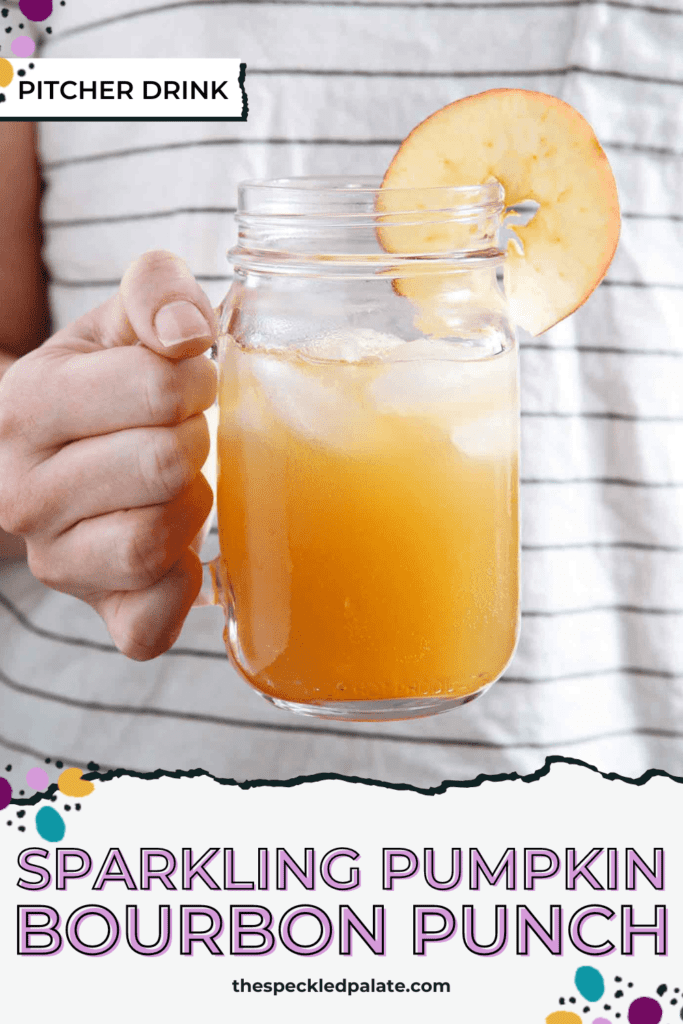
{"x": 368, "y": 448}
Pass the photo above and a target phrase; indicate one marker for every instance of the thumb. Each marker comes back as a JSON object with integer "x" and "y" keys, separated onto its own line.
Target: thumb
{"x": 165, "y": 307}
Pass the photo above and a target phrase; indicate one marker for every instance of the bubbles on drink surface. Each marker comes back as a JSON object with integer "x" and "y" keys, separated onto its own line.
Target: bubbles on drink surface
{"x": 348, "y": 346}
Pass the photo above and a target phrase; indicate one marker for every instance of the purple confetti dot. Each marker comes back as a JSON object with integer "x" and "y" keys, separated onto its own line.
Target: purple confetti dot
{"x": 644, "y": 1011}
{"x": 5, "y": 793}
{"x": 36, "y": 10}
{"x": 37, "y": 778}
{"x": 23, "y": 46}
{"x": 601, "y": 1020}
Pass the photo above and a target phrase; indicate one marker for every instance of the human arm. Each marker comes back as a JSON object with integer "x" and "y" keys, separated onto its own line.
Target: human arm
{"x": 24, "y": 319}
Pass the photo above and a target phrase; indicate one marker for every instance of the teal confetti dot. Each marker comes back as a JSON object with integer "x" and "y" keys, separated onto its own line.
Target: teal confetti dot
{"x": 50, "y": 824}
{"x": 590, "y": 983}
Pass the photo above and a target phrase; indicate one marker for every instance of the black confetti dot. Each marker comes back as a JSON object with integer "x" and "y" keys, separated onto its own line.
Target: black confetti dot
{"x": 618, "y": 994}
{"x": 20, "y": 814}
{"x": 22, "y": 72}
{"x": 49, "y": 31}
{"x": 31, "y": 66}
{"x": 67, "y": 807}
{"x": 21, "y": 792}
{"x": 607, "y": 1006}
{"x": 8, "y": 768}
{"x": 5, "y": 12}
{"x": 59, "y": 764}
{"x": 617, "y": 1015}
{"x": 63, "y": 3}
{"x": 561, "y": 1000}
{"x": 2, "y": 97}
{"x": 92, "y": 767}
{"x": 9, "y": 822}
{"x": 78, "y": 807}
{"x": 8, "y": 29}
{"x": 661, "y": 990}
{"x": 22, "y": 828}
{"x": 630, "y": 984}
{"x": 53, "y": 798}
{"x": 677, "y": 990}
{"x": 21, "y": 26}
{"x": 571, "y": 999}
{"x": 617, "y": 979}
{"x": 673, "y": 1002}
{"x": 47, "y": 760}
{"x": 586, "y": 1009}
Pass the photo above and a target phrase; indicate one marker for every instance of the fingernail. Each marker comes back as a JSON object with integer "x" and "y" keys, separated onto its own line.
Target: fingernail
{"x": 180, "y": 321}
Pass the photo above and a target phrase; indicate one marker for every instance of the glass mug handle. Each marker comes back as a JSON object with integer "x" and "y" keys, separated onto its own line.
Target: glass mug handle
{"x": 212, "y": 591}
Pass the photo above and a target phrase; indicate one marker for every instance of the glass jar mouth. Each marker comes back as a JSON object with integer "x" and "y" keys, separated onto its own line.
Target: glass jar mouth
{"x": 310, "y": 190}
{"x": 330, "y": 197}
{"x": 289, "y": 222}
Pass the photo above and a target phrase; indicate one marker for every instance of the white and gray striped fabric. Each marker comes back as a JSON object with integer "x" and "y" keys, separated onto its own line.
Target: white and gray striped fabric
{"x": 333, "y": 87}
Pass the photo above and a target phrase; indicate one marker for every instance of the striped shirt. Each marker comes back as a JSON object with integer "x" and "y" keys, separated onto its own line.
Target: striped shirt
{"x": 333, "y": 87}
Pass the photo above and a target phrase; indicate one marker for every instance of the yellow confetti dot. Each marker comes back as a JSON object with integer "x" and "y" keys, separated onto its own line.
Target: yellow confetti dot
{"x": 71, "y": 783}
{"x": 563, "y": 1017}
{"x": 6, "y": 72}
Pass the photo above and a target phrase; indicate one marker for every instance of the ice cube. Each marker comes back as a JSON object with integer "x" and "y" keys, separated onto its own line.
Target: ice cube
{"x": 493, "y": 436}
{"x": 430, "y": 385}
{"x": 314, "y": 401}
{"x": 250, "y": 412}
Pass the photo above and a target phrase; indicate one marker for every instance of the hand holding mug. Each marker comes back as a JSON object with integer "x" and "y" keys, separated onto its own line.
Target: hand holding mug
{"x": 102, "y": 440}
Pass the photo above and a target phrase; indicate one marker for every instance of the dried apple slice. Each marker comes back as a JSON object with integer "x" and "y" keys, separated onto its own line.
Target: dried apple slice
{"x": 539, "y": 148}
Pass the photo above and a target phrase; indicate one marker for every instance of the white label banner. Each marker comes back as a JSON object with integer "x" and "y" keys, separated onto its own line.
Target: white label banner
{"x": 123, "y": 89}
{"x": 558, "y": 901}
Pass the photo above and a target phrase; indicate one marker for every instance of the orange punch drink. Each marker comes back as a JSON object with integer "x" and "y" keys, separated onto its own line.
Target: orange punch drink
{"x": 368, "y": 522}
